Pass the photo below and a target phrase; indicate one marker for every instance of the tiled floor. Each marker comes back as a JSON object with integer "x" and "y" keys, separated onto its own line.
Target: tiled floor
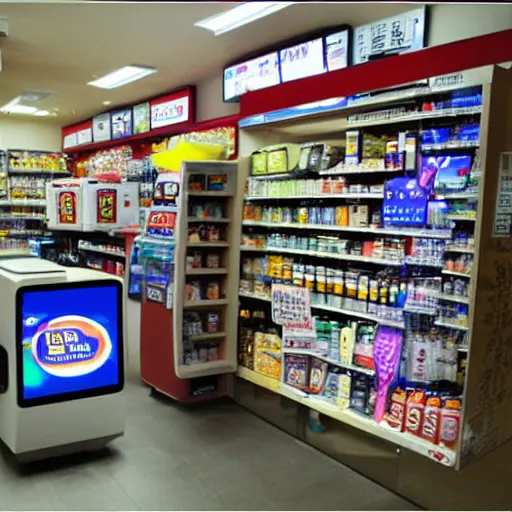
{"x": 211, "y": 457}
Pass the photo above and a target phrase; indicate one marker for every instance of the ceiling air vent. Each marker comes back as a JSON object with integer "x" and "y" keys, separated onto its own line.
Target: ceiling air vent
{"x": 33, "y": 96}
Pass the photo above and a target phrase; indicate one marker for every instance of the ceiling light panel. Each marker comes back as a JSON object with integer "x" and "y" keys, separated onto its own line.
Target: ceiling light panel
{"x": 240, "y": 16}
{"x": 122, "y": 76}
{"x": 13, "y": 107}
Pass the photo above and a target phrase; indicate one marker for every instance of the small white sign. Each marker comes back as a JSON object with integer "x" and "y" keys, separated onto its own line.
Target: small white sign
{"x": 170, "y": 112}
{"x": 101, "y": 128}
{"x": 503, "y": 212}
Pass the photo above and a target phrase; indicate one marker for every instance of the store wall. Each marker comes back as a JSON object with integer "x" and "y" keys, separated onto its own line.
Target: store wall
{"x": 209, "y": 102}
{"x": 453, "y": 22}
{"x": 16, "y": 133}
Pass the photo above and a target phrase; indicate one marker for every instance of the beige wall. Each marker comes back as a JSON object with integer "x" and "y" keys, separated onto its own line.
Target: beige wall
{"x": 22, "y": 133}
{"x": 209, "y": 100}
{"x": 454, "y": 22}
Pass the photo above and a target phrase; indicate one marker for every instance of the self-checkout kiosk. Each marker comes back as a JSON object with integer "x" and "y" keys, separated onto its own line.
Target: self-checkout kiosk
{"x": 61, "y": 358}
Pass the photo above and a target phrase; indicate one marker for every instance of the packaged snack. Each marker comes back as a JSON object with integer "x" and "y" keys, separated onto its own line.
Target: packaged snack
{"x": 450, "y": 423}
{"x": 213, "y": 322}
{"x": 344, "y": 390}
{"x": 431, "y": 420}
{"x": 360, "y": 393}
{"x": 317, "y": 376}
{"x": 193, "y": 291}
{"x": 213, "y": 290}
{"x": 395, "y": 418}
{"x": 331, "y": 386}
{"x": 267, "y": 362}
{"x": 363, "y": 348}
{"x": 213, "y": 261}
{"x": 414, "y": 412}
{"x": 347, "y": 344}
{"x": 296, "y": 371}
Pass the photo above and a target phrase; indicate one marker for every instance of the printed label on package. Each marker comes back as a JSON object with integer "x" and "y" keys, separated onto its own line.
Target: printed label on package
{"x": 291, "y": 307}
{"x": 154, "y": 294}
{"x": 503, "y": 212}
{"x": 66, "y": 203}
{"x": 106, "y": 208}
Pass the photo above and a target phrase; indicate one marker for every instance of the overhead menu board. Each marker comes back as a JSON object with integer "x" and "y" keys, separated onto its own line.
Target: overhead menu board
{"x": 336, "y": 50}
{"x": 251, "y": 75}
{"x": 390, "y": 36}
{"x": 303, "y": 60}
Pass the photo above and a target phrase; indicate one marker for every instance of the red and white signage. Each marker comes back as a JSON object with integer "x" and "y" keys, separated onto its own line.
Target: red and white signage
{"x": 169, "y": 110}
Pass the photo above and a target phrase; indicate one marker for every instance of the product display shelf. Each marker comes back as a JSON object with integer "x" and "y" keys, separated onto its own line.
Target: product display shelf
{"x": 363, "y": 195}
{"x": 487, "y": 264}
{"x": 419, "y": 233}
{"x": 351, "y": 418}
{"x": 342, "y": 311}
{"x": 204, "y": 286}
{"x": 109, "y": 252}
{"x": 328, "y": 255}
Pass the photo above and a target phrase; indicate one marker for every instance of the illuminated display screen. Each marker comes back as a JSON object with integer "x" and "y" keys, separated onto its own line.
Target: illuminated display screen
{"x": 337, "y": 50}
{"x": 70, "y": 341}
{"x": 303, "y": 60}
{"x": 251, "y": 75}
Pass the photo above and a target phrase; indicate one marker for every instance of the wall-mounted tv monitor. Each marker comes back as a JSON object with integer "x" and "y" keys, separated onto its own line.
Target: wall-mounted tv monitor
{"x": 303, "y": 60}
{"x": 69, "y": 341}
{"x": 251, "y": 75}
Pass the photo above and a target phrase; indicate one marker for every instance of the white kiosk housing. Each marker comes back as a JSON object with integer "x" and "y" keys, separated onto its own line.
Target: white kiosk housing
{"x": 61, "y": 358}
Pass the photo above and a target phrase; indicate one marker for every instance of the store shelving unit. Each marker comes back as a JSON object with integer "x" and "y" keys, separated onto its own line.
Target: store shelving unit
{"x": 218, "y": 191}
{"x": 489, "y": 251}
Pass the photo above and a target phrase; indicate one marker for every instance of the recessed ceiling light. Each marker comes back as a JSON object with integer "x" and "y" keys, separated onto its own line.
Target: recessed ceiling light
{"x": 241, "y": 15}
{"x": 107, "y": 102}
{"x": 41, "y": 113}
{"x": 122, "y": 76}
{"x": 14, "y": 108}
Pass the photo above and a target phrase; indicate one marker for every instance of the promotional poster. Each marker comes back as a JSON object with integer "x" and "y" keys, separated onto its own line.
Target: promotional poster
{"x": 69, "y": 340}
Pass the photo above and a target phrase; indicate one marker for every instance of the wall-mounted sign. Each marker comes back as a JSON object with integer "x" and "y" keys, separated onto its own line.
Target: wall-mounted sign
{"x": 390, "y": 36}
{"x": 303, "y": 60}
{"x": 101, "y": 128}
{"x": 141, "y": 118}
{"x": 78, "y": 137}
{"x": 122, "y": 124}
{"x": 167, "y": 113}
{"x": 336, "y": 50}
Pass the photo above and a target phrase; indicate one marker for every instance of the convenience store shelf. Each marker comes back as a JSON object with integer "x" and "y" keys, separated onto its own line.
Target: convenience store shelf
{"x": 209, "y": 368}
{"x": 208, "y": 336}
{"x": 23, "y": 202}
{"x": 108, "y": 252}
{"x": 207, "y": 244}
{"x": 348, "y": 312}
{"x": 444, "y": 234}
{"x": 454, "y": 298}
{"x": 464, "y": 218}
{"x": 462, "y": 250}
{"x": 15, "y": 252}
{"x": 456, "y": 274}
{"x": 348, "y": 195}
{"x": 457, "y": 195}
{"x": 40, "y": 172}
{"x": 352, "y": 418}
{"x": 208, "y": 219}
{"x": 335, "y": 171}
{"x": 22, "y": 217}
{"x": 330, "y": 255}
{"x": 208, "y": 193}
{"x": 456, "y": 144}
{"x": 206, "y": 271}
{"x": 312, "y": 353}
{"x": 416, "y": 116}
{"x": 449, "y": 325}
{"x": 205, "y": 302}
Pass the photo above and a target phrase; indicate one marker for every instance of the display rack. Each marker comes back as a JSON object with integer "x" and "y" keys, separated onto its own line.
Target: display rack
{"x": 205, "y": 295}
{"x": 283, "y": 226}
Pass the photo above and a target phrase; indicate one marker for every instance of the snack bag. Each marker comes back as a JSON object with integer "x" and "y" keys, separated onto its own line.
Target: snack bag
{"x": 344, "y": 390}
{"x": 395, "y": 417}
{"x": 296, "y": 371}
{"x": 317, "y": 376}
{"x": 414, "y": 412}
{"x": 450, "y": 423}
{"x": 431, "y": 420}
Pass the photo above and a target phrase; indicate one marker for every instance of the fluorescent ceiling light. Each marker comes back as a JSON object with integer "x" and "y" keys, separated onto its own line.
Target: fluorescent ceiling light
{"x": 41, "y": 113}
{"x": 241, "y": 15}
{"x": 13, "y": 108}
{"x": 122, "y": 76}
